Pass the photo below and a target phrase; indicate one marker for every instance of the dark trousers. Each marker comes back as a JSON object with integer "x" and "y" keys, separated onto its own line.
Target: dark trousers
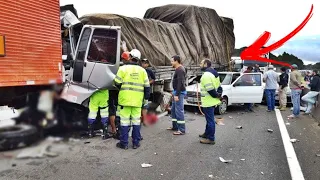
{"x": 211, "y": 125}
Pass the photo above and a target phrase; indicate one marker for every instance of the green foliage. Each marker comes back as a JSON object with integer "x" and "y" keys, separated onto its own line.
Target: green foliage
{"x": 284, "y": 57}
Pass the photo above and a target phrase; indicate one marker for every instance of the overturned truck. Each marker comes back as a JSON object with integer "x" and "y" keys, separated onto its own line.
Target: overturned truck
{"x": 192, "y": 32}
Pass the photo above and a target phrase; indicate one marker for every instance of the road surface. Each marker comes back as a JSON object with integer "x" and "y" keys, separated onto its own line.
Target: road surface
{"x": 255, "y": 153}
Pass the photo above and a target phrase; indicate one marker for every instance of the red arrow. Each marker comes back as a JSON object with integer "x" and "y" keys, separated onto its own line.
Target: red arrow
{"x": 255, "y": 51}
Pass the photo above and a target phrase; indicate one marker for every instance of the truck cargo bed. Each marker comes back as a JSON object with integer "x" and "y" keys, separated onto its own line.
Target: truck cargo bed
{"x": 32, "y": 43}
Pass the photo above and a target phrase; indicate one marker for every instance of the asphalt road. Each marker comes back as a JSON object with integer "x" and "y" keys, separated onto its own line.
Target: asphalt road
{"x": 177, "y": 157}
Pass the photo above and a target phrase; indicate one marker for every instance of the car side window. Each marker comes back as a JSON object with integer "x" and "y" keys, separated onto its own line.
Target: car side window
{"x": 103, "y": 46}
{"x": 249, "y": 80}
{"x": 234, "y": 77}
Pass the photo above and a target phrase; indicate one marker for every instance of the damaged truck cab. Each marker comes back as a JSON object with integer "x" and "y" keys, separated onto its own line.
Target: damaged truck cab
{"x": 95, "y": 62}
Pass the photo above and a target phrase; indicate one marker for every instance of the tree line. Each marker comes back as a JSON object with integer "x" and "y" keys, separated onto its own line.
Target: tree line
{"x": 285, "y": 57}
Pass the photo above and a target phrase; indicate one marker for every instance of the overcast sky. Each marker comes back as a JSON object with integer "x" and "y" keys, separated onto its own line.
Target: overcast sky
{"x": 251, "y": 17}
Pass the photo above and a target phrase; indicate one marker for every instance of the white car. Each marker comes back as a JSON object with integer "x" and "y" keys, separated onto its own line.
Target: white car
{"x": 238, "y": 88}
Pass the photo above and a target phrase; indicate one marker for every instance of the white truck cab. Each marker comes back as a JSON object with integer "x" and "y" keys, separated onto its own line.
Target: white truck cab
{"x": 95, "y": 61}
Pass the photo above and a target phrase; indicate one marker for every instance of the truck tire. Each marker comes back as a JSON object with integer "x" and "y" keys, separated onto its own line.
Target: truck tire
{"x": 17, "y": 136}
{"x": 222, "y": 108}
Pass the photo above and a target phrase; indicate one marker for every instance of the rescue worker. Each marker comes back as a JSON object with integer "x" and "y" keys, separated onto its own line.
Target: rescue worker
{"x": 210, "y": 97}
{"x": 132, "y": 80}
{"x": 113, "y": 103}
{"x": 99, "y": 101}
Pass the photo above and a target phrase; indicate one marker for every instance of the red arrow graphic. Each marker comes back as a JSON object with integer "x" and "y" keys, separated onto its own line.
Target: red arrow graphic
{"x": 255, "y": 51}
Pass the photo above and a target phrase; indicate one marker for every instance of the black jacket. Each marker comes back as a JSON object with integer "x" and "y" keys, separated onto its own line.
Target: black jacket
{"x": 315, "y": 83}
{"x": 284, "y": 79}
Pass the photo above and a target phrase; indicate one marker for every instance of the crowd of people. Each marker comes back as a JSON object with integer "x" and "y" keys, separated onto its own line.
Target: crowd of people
{"x": 128, "y": 105}
{"x": 133, "y": 81}
{"x": 293, "y": 81}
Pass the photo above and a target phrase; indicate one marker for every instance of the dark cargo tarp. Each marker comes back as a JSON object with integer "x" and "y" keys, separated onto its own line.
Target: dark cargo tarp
{"x": 190, "y": 31}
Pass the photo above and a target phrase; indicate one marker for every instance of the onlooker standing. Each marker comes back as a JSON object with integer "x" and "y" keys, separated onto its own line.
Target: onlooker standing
{"x": 257, "y": 68}
{"x": 249, "y": 81}
{"x": 145, "y": 64}
{"x": 308, "y": 76}
{"x": 296, "y": 89}
{"x": 283, "y": 88}
{"x": 310, "y": 97}
{"x": 271, "y": 78}
{"x": 179, "y": 92}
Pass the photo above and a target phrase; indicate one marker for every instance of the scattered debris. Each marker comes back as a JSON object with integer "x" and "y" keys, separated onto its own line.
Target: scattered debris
{"x": 230, "y": 117}
{"x": 14, "y": 165}
{"x": 294, "y": 140}
{"x": 5, "y": 155}
{"x": 239, "y": 127}
{"x": 44, "y": 149}
{"x": 87, "y": 142}
{"x": 73, "y": 140}
{"x": 237, "y": 174}
{"x": 270, "y": 130}
{"x": 262, "y": 173}
{"x": 161, "y": 174}
{"x": 211, "y": 176}
{"x": 287, "y": 124}
{"x": 242, "y": 159}
{"x": 155, "y": 153}
{"x": 219, "y": 121}
{"x": 224, "y": 161}
{"x": 144, "y": 165}
{"x": 318, "y": 155}
{"x": 54, "y": 139}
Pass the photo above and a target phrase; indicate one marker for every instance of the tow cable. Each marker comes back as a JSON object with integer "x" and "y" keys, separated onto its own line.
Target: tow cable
{"x": 198, "y": 100}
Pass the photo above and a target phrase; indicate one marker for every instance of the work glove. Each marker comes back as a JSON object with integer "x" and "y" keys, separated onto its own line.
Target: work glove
{"x": 145, "y": 102}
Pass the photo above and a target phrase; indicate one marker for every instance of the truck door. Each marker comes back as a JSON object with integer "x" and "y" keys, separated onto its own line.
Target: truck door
{"x": 97, "y": 57}
{"x": 248, "y": 89}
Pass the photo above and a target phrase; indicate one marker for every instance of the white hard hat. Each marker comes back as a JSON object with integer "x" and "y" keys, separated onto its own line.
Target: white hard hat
{"x": 270, "y": 67}
{"x": 135, "y": 53}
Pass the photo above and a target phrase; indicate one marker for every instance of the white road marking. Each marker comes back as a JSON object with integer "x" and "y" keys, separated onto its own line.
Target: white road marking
{"x": 294, "y": 166}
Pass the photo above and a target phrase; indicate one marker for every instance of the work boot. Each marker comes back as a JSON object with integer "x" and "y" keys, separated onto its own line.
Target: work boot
{"x": 203, "y": 135}
{"x": 121, "y": 146}
{"x": 280, "y": 107}
{"x": 90, "y": 131}
{"x": 136, "y": 146}
{"x": 283, "y": 108}
{"x": 207, "y": 141}
{"x": 105, "y": 134}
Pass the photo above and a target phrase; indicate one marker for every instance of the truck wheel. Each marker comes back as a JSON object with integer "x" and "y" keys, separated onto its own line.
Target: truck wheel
{"x": 222, "y": 108}
{"x": 17, "y": 136}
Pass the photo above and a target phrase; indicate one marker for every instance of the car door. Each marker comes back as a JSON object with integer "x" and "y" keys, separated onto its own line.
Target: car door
{"x": 247, "y": 88}
{"x": 97, "y": 57}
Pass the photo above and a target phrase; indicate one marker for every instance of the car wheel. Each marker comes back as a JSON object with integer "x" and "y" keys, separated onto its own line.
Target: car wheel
{"x": 222, "y": 108}
{"x": 17, "y": 136}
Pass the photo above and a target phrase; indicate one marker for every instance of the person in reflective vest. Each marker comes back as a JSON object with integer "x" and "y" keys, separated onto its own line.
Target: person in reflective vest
{"x": 99, "y": 101}
{"x": 210, "y": 97}
{"x": 133, "y": 82}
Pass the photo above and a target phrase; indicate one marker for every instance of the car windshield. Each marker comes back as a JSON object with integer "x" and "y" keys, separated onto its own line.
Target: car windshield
{"x": 225, "y": 79}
